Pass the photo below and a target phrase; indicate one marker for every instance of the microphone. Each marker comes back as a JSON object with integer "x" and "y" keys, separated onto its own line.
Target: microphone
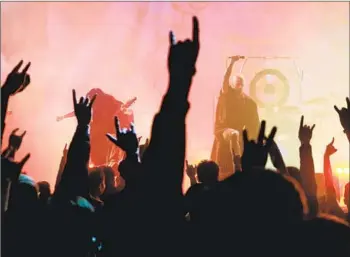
{"x": 240, "y": 57}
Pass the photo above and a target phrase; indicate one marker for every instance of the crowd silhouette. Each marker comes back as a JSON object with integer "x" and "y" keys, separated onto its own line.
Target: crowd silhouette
{"x": 254, "y": 212}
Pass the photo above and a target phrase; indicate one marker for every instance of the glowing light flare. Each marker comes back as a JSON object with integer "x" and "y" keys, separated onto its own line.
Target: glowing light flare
{"x": 342, "y": 171}
{"x": 269, "y": 78}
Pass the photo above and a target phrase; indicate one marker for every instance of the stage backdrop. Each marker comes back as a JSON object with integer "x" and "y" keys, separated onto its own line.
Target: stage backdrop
{"x": 122, "y": 48}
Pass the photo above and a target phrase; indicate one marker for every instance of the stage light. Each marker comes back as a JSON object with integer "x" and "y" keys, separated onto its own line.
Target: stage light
{"x": 339, "y": 171}
{"x": 343, "y": 171}
{"x": 269, "y": 78}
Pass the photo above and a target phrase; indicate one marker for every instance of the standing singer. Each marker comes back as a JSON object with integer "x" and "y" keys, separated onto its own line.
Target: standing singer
{"x": 235, "y": 111}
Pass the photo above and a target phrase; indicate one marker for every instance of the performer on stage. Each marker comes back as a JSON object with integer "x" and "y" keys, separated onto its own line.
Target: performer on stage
{"x": 235, "y": 111}
{"x": 104, "y": 109}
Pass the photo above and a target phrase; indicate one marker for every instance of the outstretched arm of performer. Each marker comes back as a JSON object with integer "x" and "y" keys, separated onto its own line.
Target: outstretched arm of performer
{"x": 228, "y": 74}
{"x": 68, "y": 115}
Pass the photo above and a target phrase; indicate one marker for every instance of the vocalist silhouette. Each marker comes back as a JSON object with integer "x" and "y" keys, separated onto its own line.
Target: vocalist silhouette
{"x": 104, "y": 109}
{"x": 235, "y": 111}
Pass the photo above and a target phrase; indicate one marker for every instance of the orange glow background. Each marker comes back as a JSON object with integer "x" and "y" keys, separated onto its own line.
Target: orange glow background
{"x": 122, "y": 48}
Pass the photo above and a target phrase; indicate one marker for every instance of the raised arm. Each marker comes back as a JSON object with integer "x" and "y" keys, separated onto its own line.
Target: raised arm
{"x": 165, "y": 155}
{"x": 66, "y": 116}
{"x": 15, "y": 82}
{"x": 228, "y": 74}
{"x": 331, "y": 191}
{"x": 344, "y": 117}
{"x": 307, "y": 168}
{"x": 74, "y": 179}
{"x": 327, "y": 171}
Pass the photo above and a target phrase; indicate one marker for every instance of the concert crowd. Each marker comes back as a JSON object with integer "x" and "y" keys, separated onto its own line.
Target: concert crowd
{"x": 253, "y": 211}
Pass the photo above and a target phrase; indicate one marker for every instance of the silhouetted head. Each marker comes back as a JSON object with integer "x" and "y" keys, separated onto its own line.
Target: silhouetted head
{"x": 24, "y": 194}
{"x": 326, "y": 235}
{"x": 207, "y": 172}
{"x": 130, "y": 171}
{"x": 237, "y": 84}
{"x": 73, "y": 227}
{"x": 110, "y": 179}
{"x": 294, "y": 173}
{"x": 269, "y": 196}
{"x": 97, "y": 184}
{"x": 94, "y": 91}
{"x": 44, "y": 190}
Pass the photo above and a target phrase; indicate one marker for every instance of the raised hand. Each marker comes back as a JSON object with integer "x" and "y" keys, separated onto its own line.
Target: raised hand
{"x": 305, "y": 132}
{"x": 16, "y": 81}
{"x": 330, "y": 149}
{"x": 255, "y": 153}
{"x": 83, "y": 109}
{"x": 11, "y": 169}
{"x": 15, "y": 141}
{"x": 235, "y": 58}
{"x": 182, "y": 56}
{"x": 344, "y": 115}
{"x": 191, "y": 170}
{"x": 125, "y": 139}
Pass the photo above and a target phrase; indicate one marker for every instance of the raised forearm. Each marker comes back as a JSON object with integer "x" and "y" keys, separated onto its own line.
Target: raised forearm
{"x": 69, "y": 115}
{"x": 227, "y": 77}
{"x": 193, "y": 180}
{"x": 307, "y": 170}
{"x": 168, "y": 132}
{"x": 9, "y": 152}
{"x": 4, "y": 105}
{"x": 327, "y": 170}
{"x": 74, "y": 179}
{"x": 79, "y": 150}
{"x": 177, "y": 93}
